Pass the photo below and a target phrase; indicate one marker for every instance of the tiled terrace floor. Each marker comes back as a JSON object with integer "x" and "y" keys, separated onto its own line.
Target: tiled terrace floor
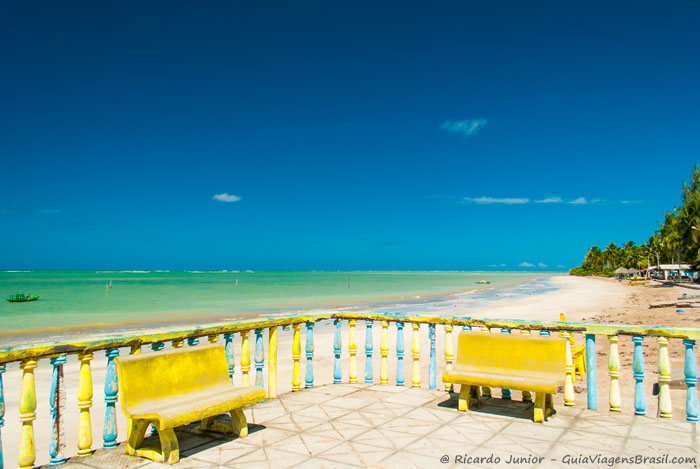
{"x": 361, "y": 425}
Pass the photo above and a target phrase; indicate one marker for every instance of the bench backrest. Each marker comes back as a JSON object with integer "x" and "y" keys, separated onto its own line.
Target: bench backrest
{"x": 482, "y": 351}
{"x": 151, "y": 376}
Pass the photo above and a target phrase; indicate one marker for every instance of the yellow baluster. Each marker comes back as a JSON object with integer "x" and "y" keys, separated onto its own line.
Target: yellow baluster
{"x": 614, "y": 370}
{"x": 213, "y": 338}
{"x": 449, "y": 354}
{"x": 272, "y": 363}
{"x": 352, "y": 346}
{"x": 527, "y": 395}
{"x": 415, "y": 351}
{"x": 296, "y": 356}
{"x": 135, "y": 349}
{"x": 245, "y": 358}
{"x": 485, "y": 329}
{"x": 178, "y": 343}
{"x": 664, "y": 380}
{"x": 27, "y": 414}
{"x": 84, "y": 404}
{"x": 568, "y": 380}
{"x": 384, "y": 351}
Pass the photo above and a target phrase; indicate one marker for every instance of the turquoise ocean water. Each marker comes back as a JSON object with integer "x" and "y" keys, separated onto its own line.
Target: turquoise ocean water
{"x": 82, "y": 300}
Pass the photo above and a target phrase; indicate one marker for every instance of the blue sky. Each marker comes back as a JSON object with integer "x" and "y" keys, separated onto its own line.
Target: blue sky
{"x": 342, "y": 136}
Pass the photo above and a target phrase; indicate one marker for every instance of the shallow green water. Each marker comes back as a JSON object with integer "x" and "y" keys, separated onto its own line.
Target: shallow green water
{"x": 82, "y": 298}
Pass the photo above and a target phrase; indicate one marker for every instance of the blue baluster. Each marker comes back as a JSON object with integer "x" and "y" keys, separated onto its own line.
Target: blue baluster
{"x": 691, "y": 380}
{"x": 309, "y": 378}
{"x": 640, "y": 400}
{"x": 228, "y": 341}
{"x": 591, "y": 372}
{"x": 432, "y": 368}
{"x": 505, "y": 393}
{"x": 337, "y": 370}
{"x": 544, "y": 333}
{"x": 56, "y": 406}
{"x": 2, "y": 412}
{"x": 193, "y": 341}
{"x": 399, "y": 354}
{"x": 466, "y": 328}
{"x": 109, "y": 435}
{"x": 259, "y": 357}
{"x": 369, "y": 346}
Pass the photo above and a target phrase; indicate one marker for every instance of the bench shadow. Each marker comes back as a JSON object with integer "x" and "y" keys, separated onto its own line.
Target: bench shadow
{"x": 495, "y": 406}
{"x": 193, "y": 440}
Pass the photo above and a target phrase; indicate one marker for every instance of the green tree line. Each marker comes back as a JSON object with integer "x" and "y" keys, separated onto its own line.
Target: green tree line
{"x": 675, "y": 241}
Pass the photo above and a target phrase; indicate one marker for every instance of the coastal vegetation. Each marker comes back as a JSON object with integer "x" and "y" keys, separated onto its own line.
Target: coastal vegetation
{"x": 674, "y": 242}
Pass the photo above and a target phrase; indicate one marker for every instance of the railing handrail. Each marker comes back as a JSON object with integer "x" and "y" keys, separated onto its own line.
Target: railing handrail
{"x": 92, "y": 344}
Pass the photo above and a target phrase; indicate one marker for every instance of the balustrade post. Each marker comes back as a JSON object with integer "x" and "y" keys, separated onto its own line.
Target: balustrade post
{"x": 309, "y": 378}
{"x": 213, "y": 338}
{"x": 178, "y": 343}
{"x": 569, "y": 378}
{"x": 352, "y": 347}
{"x": 665, "y": 408}
{"x": 400, "y": 345}
{"x": 432, "y": 366}
{"x": 27, "y": 414}
{"x": 384, "y": 352}
{"x": 415, "y": 351}
{"x": 272, "y": 362}
{"x": 84, "y": 404}
{"x": 228, "y": 346}
{"x": 57, "y": 399}
{"x": 691, "y": 381}
{"x": 506, "y": 393}
{"x": 192, "y": 341}
{"x": 337, "y": 348}
{"x": 259, "y": 358}
{"x": 449, "y": 354}
{"x": 614, "y": 371}
{"x": 544, "y": 333}
{"x": 640, "y": 400}
{"x": 136, "y": 348}
{"x": 109, "y": 433}
{"x": 466, "y": 328}
{"x": 296, "y": 356}
{"x": 245, "y": 358}
{"x": 369, "y": 348}
{"x": 591, "y": 372}
{"x": 2, "y": 413}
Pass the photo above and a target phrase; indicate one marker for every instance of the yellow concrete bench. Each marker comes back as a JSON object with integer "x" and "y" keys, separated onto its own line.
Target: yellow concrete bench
{"x": 177, "y": 387}
{"x": 522, "y": 362}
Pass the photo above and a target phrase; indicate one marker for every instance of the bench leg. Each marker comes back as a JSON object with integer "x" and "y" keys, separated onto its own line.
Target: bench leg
{"x": 169, "y": 446}
{"x": 540, "y": 411}
{"x": 475, "y": 396}
{"x": 549, "y": 405}
{"x": 464, "y": 398}
{"x": 136, "y": 434}
{"x": 240, "y": 424}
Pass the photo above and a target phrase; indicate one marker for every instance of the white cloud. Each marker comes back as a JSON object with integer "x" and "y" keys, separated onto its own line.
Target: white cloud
{"x": 497, "y": 265}
{"x": 540, "y": 264}
{"x": 579, "y": 201}
{"x": 526, "y": 264}
{"x": 549, "y": 200}
{"x": 560, "y": 266}
{"x": 496, "y": 200}
{"x": 467, "y": 127}
{"x": 226, "y": 197}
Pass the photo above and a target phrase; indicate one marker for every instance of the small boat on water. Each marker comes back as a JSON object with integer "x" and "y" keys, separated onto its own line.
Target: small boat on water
{"x": 22, "y": 298}
{"x": 483, "y": 282}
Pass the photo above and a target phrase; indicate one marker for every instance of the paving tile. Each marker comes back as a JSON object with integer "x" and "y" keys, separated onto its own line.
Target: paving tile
{"x": 356, "y": 453}
{"x": 409, "y": 460}
{"x": 661, "y": 435}
{"x": 387, "y": 439}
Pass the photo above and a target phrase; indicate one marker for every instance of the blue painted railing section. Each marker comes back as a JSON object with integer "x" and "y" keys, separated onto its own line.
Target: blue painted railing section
{"x": 56, "y": 407}
{"x": 399, "y": 354}
{"x": 369, "y": 348}
{"x": 228, "y": 346}
{"x": 109, "y": 434}
{"x": 259, "y": 357}
{"x": 640, "y": 400}
{"x": 691, "y": 381}
{"x": 505, "y": 393}
{"x": 309, "y": 378}
{"x": 2, "y": 412}
{"x": 337, "y": 344}
{"x": 591, "y": 372}
{"x": 432, "y": 368}
{"x": 192, "y": 341}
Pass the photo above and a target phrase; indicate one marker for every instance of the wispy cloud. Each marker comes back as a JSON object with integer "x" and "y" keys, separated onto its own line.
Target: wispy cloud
{"x": 497, "y": 265}
{"x": 226, "y": 197}
{"x": 578, "y": 201}
{"x": 526, "y": 264}
{"x": 550, "y": 200}
{"x": 467, "y": 127}
{"x": 561, "y": 266}
{"x": 497, "y": 200}
{"x": 541, "y": 264}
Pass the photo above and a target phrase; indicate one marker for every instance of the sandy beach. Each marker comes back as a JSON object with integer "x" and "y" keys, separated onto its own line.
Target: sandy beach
{"x": 582, "y": 299}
